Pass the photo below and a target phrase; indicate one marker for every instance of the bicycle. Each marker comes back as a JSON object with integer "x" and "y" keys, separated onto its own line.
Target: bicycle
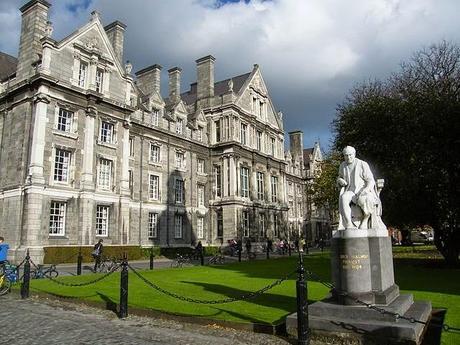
{"x": 5, "y": 283}
{"x": 40, "y": 272}
{"x": 217, "y": 259}
{"x": 180, "y": 261}
{"x": 251, "y": 255}
{"x": 107, "y": 265}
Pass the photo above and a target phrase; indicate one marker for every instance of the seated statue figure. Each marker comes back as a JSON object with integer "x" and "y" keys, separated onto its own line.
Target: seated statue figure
{"x": 359, "y": 198}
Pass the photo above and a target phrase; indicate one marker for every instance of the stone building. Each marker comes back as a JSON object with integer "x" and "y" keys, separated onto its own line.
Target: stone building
{"x": 89, "y": 150}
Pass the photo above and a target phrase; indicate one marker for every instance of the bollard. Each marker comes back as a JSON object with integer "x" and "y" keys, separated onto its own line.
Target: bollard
{"x": 239, "y": 254}
{"x": 289, "y": 249}
{"x": 268, "y": 251}
{"x": 201, "y": 257}
{"x": 151, "y": 258}
{"x": 124, "y": 288}
{"x": 303, "y": 333}
{"x": 306, "y": 248}
{"x": 26, "y": 278}
{"x": 79, "y": 260}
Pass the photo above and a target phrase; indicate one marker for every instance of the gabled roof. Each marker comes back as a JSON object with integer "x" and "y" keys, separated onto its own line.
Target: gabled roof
{"x": 8, "y": 65}
{"x": 220, "y": 88}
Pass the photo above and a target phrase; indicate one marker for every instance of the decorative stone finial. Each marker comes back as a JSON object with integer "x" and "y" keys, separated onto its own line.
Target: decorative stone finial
{"x": 95, "y": 15}
{"x": 48, "y": 29}
{"x": 230, "y": 85}
{"x": 128, "y": 67}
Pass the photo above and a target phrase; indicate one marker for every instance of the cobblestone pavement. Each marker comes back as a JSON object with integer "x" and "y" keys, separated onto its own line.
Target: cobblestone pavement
{"x": 41, "y": 321}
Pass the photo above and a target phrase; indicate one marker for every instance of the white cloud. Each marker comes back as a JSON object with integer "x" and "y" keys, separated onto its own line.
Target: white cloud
{"x": 310, "y": 51}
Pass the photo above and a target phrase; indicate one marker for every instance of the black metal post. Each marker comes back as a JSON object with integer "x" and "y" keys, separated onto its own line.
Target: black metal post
{"x": 306, "y": 248}
{"x": 124, "y": 288}
{"x": 26, "y": 277}
{"x": 303, "y": 333}
{"x": 151, "y": 258}
{"x": 79, "y": 260}
{"x": 201, "y": 257}
{"x": 240, "y": 249}
{"x": 268, "y": 251}
{"x": 289, "y": 248}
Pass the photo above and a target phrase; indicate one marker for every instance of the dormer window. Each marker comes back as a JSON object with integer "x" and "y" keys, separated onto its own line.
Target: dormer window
{"x": 199, "y": 133}
{"x": 99, "y": 79}
{"x": 154, "y": 117}
{"x": 179, "y": 126}
{"x": 82, "y": 74}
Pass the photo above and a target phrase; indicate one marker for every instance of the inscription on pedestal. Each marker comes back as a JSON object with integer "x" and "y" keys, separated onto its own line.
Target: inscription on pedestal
{"x": 352, "y": 262}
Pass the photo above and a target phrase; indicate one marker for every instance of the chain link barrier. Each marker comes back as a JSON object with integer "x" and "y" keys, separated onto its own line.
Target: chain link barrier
{"x": 397, "y": 316}
{"x": 219, "y": 301}
{"x": 94, "y": 281}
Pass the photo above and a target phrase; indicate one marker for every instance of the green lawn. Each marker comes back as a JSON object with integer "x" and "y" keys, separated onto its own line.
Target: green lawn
{"x": 427, "y": 279}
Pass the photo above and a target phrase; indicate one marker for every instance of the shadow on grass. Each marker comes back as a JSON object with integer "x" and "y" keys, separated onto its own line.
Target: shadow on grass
{"x": 109, "y": 303}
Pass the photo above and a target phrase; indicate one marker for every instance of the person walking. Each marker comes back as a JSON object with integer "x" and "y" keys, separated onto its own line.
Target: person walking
{"x": 3, "y": 250}
{"x": 97, "y": 254}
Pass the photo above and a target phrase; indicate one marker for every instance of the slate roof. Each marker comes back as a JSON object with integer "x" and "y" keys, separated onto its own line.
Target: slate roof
{"x": 8, "y": 65}
{"x": 220, "y": 88}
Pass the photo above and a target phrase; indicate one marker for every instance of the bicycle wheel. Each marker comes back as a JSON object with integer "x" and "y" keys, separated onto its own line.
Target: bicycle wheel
{"x": 52, "y": 274}
{"x": 5, "y": 284}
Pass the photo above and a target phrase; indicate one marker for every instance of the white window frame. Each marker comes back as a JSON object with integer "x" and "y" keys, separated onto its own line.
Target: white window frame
{"x": 260, "y": 185}
{"x": 199, "y": 133}
{"x": 180, "y": 160}
{"x": 153, "y": 225}
{"x": 62, "y": 161}
{"x": 154, "y": 187}
{"x": 64, "y": 121}
{"x": 273, "y": 145}
{"x": 83, "y": 74}
{"x": 200, "y": 166}
{"x": 57, "y": 218}
{"x": 259, "y": 140}
{"x": 107, "y": 132}
{"x": 99, "y": 82}
{"x": 200, "y": 195}
{"x": 200, "y": 227}
{"x": 154, "y": 153}
{"x": 243, "y": 133}
{"x": 178, "y": 225}
{"x": 244, "y": 177}
{"x": 104, "y": 176}
{"x": 131, "y": 146}
{"x": 179, "y": 191}
{"x": 155, "y": 117}
{"x": 218, "y": 180}
{"x": 274, "y": 188}
{"x": 102, "y": 220}
{"x": 179, "y": 126}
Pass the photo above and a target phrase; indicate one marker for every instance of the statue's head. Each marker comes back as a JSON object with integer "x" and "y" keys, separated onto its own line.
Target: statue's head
{"x": 349, "y": 154}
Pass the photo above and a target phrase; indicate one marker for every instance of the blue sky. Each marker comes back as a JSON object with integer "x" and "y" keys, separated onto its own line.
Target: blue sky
{"x": 311, "y": 52}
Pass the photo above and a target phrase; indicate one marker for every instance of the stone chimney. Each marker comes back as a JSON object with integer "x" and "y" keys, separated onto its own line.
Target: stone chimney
{"x": 33, "y": 29}
{"x": 174, "y": 83}
{"x": 205, "y": 77}
{"x": 296, "y": 145}
{"x": 116, "y": 34}
{"x": 148, "y": 79}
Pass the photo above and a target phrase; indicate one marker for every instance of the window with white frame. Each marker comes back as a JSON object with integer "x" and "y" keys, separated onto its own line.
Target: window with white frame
{"x": 99, "y": 80}
{"x": 155, "y": 117}
{"x": 217, "y": 132}
{"x": 154, "y": 187}
{"x": 244, "y": 180}
{"x": 82, "y": 74}
{"x": 244, "y": 129}
{"x": 200, "y": 227}
{"x": 153, "y": 225}
{"x": 200, "y": 195}
{"x": 180, "y": 160}
{"x": 262, "y": 224}
{"x": 274, "y": 185}
{"x": 57, "y": 218}
{"x": 272, "y": 147}
{"x": 218, "y": 180}
{"x": 64, "y": 120}
{"x": 106, "y": 135}
{"x": 260, "y": 185}
{"x": 246, "y": 223}
{"x": 179, "y": 126}
{"x": 154, "y": 153}
{"x": 200, "y": 165}
{"x": 259, "y": 140}
{"x": 178, "y": 224}
{"x": 276, "y": 231}
{"x": 179, "y": 191}
{"x": 62, "y": 165}
{"x": 199, "y": 133}
{"x": 105, "y": 173}
{"x": 131, "y": 146}
{"x": 102, "y": 220}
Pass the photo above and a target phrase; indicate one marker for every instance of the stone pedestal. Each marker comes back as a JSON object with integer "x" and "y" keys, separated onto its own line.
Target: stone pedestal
{"x": 362, "y": 268}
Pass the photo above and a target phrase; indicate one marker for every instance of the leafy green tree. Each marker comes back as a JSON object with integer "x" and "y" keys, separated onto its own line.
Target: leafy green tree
{"x": 408, "y": 127}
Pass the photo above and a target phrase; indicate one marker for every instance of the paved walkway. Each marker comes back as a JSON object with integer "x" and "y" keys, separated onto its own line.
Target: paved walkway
{"x": 37, "y": 321}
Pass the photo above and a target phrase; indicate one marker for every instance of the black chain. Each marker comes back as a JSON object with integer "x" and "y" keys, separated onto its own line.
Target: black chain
{"x": 397, "y": 316}
{"x": 94, "y": 281}
{"x": 219, "y": 301}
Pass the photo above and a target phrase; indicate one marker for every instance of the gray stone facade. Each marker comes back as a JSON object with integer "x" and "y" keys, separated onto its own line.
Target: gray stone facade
{"x": 90, "y": 151}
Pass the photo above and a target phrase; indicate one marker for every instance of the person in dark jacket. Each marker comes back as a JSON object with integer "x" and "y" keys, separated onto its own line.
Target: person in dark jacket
{"x": 97, "y": 254}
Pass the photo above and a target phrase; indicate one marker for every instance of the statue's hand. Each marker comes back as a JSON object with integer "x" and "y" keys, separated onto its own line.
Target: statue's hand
{"x": 341, "y": 182}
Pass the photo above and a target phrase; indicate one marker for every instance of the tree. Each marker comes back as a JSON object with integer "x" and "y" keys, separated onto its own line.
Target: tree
{"x": 322, "y": 190}
{"x": 408, "y": 126}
